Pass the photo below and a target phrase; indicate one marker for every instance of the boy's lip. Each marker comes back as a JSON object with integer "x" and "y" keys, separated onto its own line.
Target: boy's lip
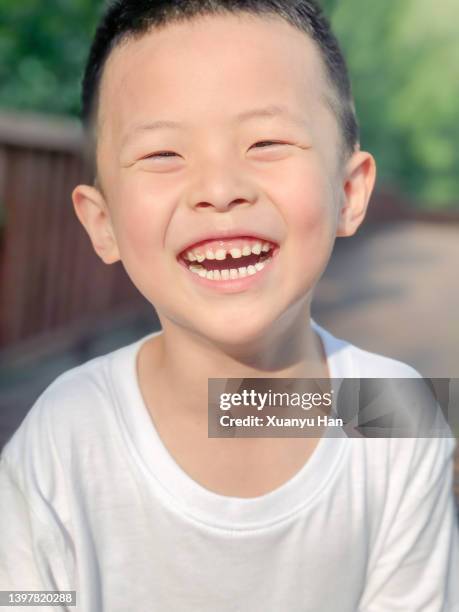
{"x": 225, "y": 236}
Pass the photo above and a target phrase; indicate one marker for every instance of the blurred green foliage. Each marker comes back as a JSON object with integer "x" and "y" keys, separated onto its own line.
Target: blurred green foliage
{"x": 404, "y": 63}
{"x": 403, "y": 59}
{"x": 43, "y": 47}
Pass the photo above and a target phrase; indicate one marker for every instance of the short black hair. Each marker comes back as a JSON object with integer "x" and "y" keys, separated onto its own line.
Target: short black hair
{"x": 125, "y": 19}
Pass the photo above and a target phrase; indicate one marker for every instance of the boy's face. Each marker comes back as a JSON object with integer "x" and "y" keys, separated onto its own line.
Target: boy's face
{"x": 234, "y": 84}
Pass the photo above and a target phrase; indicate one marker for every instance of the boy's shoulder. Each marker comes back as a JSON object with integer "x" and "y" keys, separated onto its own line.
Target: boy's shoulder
{"x": 350, "y": 361}
{"x": 375, "y": 365}
{"x": 77, "y": 406}
{"x": 71, "y": 431}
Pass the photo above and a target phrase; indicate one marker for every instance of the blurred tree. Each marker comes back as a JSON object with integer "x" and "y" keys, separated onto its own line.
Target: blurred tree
{"x": 404, "y": 64}
{"x": 403, "y": 58}
{"x": 43, "y": 46}
{"x": 329, "y": 6}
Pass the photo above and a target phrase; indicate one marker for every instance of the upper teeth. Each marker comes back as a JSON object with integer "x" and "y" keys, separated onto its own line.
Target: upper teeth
{"x": 221, "y": 253}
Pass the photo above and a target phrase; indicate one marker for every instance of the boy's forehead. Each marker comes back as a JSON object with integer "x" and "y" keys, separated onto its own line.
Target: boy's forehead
{"x": 212, "y": 68}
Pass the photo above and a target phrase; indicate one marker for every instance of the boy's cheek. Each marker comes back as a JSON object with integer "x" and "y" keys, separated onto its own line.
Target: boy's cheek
{"x": 310, "y": 205}
{"x": 138, "y": 242}
{"x": 311, "y": 229}
{"x": 138, "y": 235}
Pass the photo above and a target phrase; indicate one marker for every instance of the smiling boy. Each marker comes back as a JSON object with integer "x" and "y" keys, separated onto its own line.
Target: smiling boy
{"x": 227, "y": 158}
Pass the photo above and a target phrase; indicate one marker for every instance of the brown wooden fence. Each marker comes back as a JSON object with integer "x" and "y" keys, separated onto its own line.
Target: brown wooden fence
{"x": 49, "y": 275}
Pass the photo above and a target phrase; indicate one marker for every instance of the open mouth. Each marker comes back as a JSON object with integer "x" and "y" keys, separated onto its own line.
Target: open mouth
{"x": 219, "y": 260}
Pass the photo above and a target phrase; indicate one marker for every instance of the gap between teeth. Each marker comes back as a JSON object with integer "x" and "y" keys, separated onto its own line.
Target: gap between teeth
{"x": 229, "y": 274}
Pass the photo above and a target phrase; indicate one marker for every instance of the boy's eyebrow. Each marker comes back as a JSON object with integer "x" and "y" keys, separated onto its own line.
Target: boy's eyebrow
{"x": 271, "y": 111}
{"x": 266, "y": 112}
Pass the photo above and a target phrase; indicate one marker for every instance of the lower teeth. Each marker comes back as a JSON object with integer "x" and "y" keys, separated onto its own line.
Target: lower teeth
{"x": 231, "y": 274}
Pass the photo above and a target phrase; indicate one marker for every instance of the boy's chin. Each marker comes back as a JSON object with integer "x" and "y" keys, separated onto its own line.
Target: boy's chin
{"x": 243, "y": 334}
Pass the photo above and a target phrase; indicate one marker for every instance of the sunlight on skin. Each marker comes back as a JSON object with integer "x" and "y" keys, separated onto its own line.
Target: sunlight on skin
{"x": 216, "y": 177}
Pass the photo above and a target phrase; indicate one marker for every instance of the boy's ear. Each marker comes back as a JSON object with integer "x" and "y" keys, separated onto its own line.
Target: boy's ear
{"x": 359, "y": 180}
{"x": 92, "y": 211}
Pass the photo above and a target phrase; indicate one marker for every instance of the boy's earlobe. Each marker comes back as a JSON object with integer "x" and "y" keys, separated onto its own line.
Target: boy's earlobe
{"x": 357, "y": 189}
{"x": 92, "y": 212}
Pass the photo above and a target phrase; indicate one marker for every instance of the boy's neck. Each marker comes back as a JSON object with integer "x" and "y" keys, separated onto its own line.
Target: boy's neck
{"x": 174, "y": 367}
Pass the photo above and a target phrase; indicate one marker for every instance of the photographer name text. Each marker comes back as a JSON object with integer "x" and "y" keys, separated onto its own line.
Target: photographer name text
{"x": 274, "y": 421}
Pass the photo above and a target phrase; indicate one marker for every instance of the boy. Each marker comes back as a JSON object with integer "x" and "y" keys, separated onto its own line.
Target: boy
{"x": 227, "y": 160}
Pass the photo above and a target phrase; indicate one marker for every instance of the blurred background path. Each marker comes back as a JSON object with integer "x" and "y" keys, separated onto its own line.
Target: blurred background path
{"x": 394, "y": 289}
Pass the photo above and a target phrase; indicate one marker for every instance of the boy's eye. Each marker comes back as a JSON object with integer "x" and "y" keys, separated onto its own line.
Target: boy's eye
{"x": 160, "y": 155}
{"x": 268, "y": 143}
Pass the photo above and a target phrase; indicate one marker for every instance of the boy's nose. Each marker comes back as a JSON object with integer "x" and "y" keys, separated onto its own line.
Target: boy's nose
{"x": 221, "y": 186}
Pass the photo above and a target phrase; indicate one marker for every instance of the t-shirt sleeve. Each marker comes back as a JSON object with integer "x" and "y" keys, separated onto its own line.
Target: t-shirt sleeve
{"x": 35, "y": 550}
{"x": 417, "y": 566}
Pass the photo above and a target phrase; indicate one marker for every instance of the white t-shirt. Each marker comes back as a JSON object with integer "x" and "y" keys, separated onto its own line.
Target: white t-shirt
{"x": 91, "y": 500}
